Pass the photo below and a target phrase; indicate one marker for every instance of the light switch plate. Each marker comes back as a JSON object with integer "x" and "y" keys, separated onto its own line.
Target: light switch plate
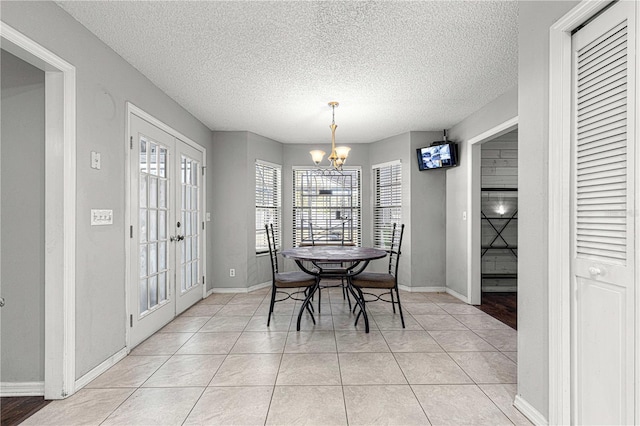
{"x": 95, "y": 160}
{"x": 101, "y": 217}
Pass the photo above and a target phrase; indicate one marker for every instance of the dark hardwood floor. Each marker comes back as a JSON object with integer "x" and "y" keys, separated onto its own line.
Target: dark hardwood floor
{"x": 502, "y": 306}
{"x": 18, "y": 409}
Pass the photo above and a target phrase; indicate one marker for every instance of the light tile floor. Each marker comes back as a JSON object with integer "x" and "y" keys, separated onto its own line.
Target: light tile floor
{"x": 218, "y": 363}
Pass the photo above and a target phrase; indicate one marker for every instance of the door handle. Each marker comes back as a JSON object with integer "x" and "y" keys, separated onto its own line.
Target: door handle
{"x": 176, "y": 238}
{"x": 1, "y": 302}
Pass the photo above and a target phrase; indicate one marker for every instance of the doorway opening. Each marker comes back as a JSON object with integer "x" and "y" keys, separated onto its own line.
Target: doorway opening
{"x": 499, "y": 227}
{"x": 59, "y": 219}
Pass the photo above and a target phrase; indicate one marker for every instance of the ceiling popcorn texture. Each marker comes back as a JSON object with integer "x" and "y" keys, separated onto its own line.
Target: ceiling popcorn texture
{"x": 271, "y": 67}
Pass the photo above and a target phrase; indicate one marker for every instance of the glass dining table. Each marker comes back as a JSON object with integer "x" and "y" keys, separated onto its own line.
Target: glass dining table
{"x": 311, "y": 258}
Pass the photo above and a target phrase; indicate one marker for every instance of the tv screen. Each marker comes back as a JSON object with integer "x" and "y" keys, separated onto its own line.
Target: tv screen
{"x": 437, "y": 156}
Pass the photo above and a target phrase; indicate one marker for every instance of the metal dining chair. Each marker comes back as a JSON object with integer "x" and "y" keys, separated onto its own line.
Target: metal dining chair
{"x": 384, "y": 281}
{"x": 331, "y": 270}
{"x": 283, "y": 283}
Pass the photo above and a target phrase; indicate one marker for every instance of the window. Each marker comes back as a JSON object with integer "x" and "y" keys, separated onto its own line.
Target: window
{"x": 387, "y": 204}
{"x": 268, "y": 188}
{"x": 326, "y": 207}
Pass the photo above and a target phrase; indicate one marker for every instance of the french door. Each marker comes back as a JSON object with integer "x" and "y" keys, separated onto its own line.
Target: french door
{"x": 166, "y": 232}
{"x": 604, "y": 142}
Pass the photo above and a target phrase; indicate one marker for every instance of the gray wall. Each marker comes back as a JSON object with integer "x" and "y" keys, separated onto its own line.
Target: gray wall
{"x": 22, "y": 235}
{"x": 259, "y": 148}
{"x": 227, "y": 201}
{"x": 496, "y": 112}
{"x": 104, "y": 82}
{"x": 534, "y": 21}
{"x": 231, "y": 201}
{"x": 428, "y": 217}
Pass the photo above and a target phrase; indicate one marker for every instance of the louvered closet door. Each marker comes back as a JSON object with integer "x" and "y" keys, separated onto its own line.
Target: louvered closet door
{"x": 603, "y": 143}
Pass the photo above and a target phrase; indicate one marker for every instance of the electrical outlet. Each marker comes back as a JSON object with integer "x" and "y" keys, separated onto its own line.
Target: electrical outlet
{"x": 232, "y": 272}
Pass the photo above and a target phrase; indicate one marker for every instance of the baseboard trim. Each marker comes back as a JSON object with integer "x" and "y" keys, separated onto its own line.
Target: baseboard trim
{"x": 21, "y": 389}
{"x": 457, "y": 295}
{"x": 240, "y": 289}
{"x": 100, "y": 368}
{"x": 421, "y": 289}
{"x": 529, "y": 412}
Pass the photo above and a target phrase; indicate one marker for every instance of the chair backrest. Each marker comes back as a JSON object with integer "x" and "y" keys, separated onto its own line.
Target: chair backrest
{"x": 394, "y": 250}
{"x": 273, "y": 251}
{"x": 331, "y": 243}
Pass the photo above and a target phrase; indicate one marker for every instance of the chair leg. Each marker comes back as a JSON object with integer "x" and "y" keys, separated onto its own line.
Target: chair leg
{"x": 393, "y": 304}
{"x": 305, "y": 304}
{"x": 319, "y": 298}
{"x": 399, "y": 306}
{"x": 345, "y": 293}
{"x": 273, "y": 302}
{"x": 363, "y": 311}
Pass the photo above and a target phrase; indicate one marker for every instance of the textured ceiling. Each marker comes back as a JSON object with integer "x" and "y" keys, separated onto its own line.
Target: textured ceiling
{"x": 271, "y": 67}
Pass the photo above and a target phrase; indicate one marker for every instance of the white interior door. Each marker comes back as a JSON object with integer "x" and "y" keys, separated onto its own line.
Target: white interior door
{"x": 189, "y": 226}
{"x": 165, "y": 242}
{"x": 603, "y": 258}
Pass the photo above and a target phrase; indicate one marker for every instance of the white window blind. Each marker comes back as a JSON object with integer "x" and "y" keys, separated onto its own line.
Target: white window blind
{"x": 601, "y": 127}
{"x": 387, "y": 204}
{"x": 268, "y": 203}
{"x": 326, "y": 207}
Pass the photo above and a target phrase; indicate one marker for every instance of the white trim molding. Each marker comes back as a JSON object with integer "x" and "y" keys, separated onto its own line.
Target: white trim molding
{"x": 529, "y": 412}
{"x": 559, "y": 235}
{"x": 223, "y": 290}
{"x": 21, "y": 389}
{"x": 409, "y": 289}
{"x": 101, "y": 368}
{"x": 60, "y": 207}
{"x": 457, "y": 295}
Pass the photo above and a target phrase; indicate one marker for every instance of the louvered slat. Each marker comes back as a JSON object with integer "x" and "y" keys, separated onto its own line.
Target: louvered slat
{"x": 601, "y": 147}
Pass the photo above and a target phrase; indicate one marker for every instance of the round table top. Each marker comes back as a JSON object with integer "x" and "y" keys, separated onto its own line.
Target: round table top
{"x": 332, "y": 254}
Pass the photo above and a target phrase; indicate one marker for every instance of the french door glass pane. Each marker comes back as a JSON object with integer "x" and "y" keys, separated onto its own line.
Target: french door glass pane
{"x": 153, "y": 290}
{"x": 162, "y": 287}
{"x": 143, "y": 295}
{"x": 154, "y": 250}
{"x": 189, "y": 212}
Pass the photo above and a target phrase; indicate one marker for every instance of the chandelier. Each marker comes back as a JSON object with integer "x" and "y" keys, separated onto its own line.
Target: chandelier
{"x": 339, "y": 154}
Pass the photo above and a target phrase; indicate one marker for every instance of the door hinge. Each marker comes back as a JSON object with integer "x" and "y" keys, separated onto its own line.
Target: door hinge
{"x": 202, "y": 225}
{"x": 131, "y": 231}
{"x": 203, "y": 167}
{"x": 203, "y": 279}
{"x": 130, "y": 142}
{"x": 130, "y": 320}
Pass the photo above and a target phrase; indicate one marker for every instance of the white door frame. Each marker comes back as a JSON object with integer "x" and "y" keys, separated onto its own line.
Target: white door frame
{"x": 132, "y": 109}
{"x": 60, "y": 207}
{"x": 474, "y": 225}
{"x": 560, "y": 207}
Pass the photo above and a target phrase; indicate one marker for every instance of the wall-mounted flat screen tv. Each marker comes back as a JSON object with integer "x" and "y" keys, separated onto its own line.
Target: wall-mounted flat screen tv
{"x": 437, "y": 156}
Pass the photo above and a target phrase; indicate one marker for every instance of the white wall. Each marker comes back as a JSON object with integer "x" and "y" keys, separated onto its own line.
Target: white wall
{"x": 104, "y": 83}
{"x": 22, "y": 235}
{"x": 534, "y": 20}
{"x": 496, "y": 112}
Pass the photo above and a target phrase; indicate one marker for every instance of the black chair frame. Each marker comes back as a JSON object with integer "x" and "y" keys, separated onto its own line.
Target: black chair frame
{"x": 295, "y": 295}
{"x": 364, "y": 297}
